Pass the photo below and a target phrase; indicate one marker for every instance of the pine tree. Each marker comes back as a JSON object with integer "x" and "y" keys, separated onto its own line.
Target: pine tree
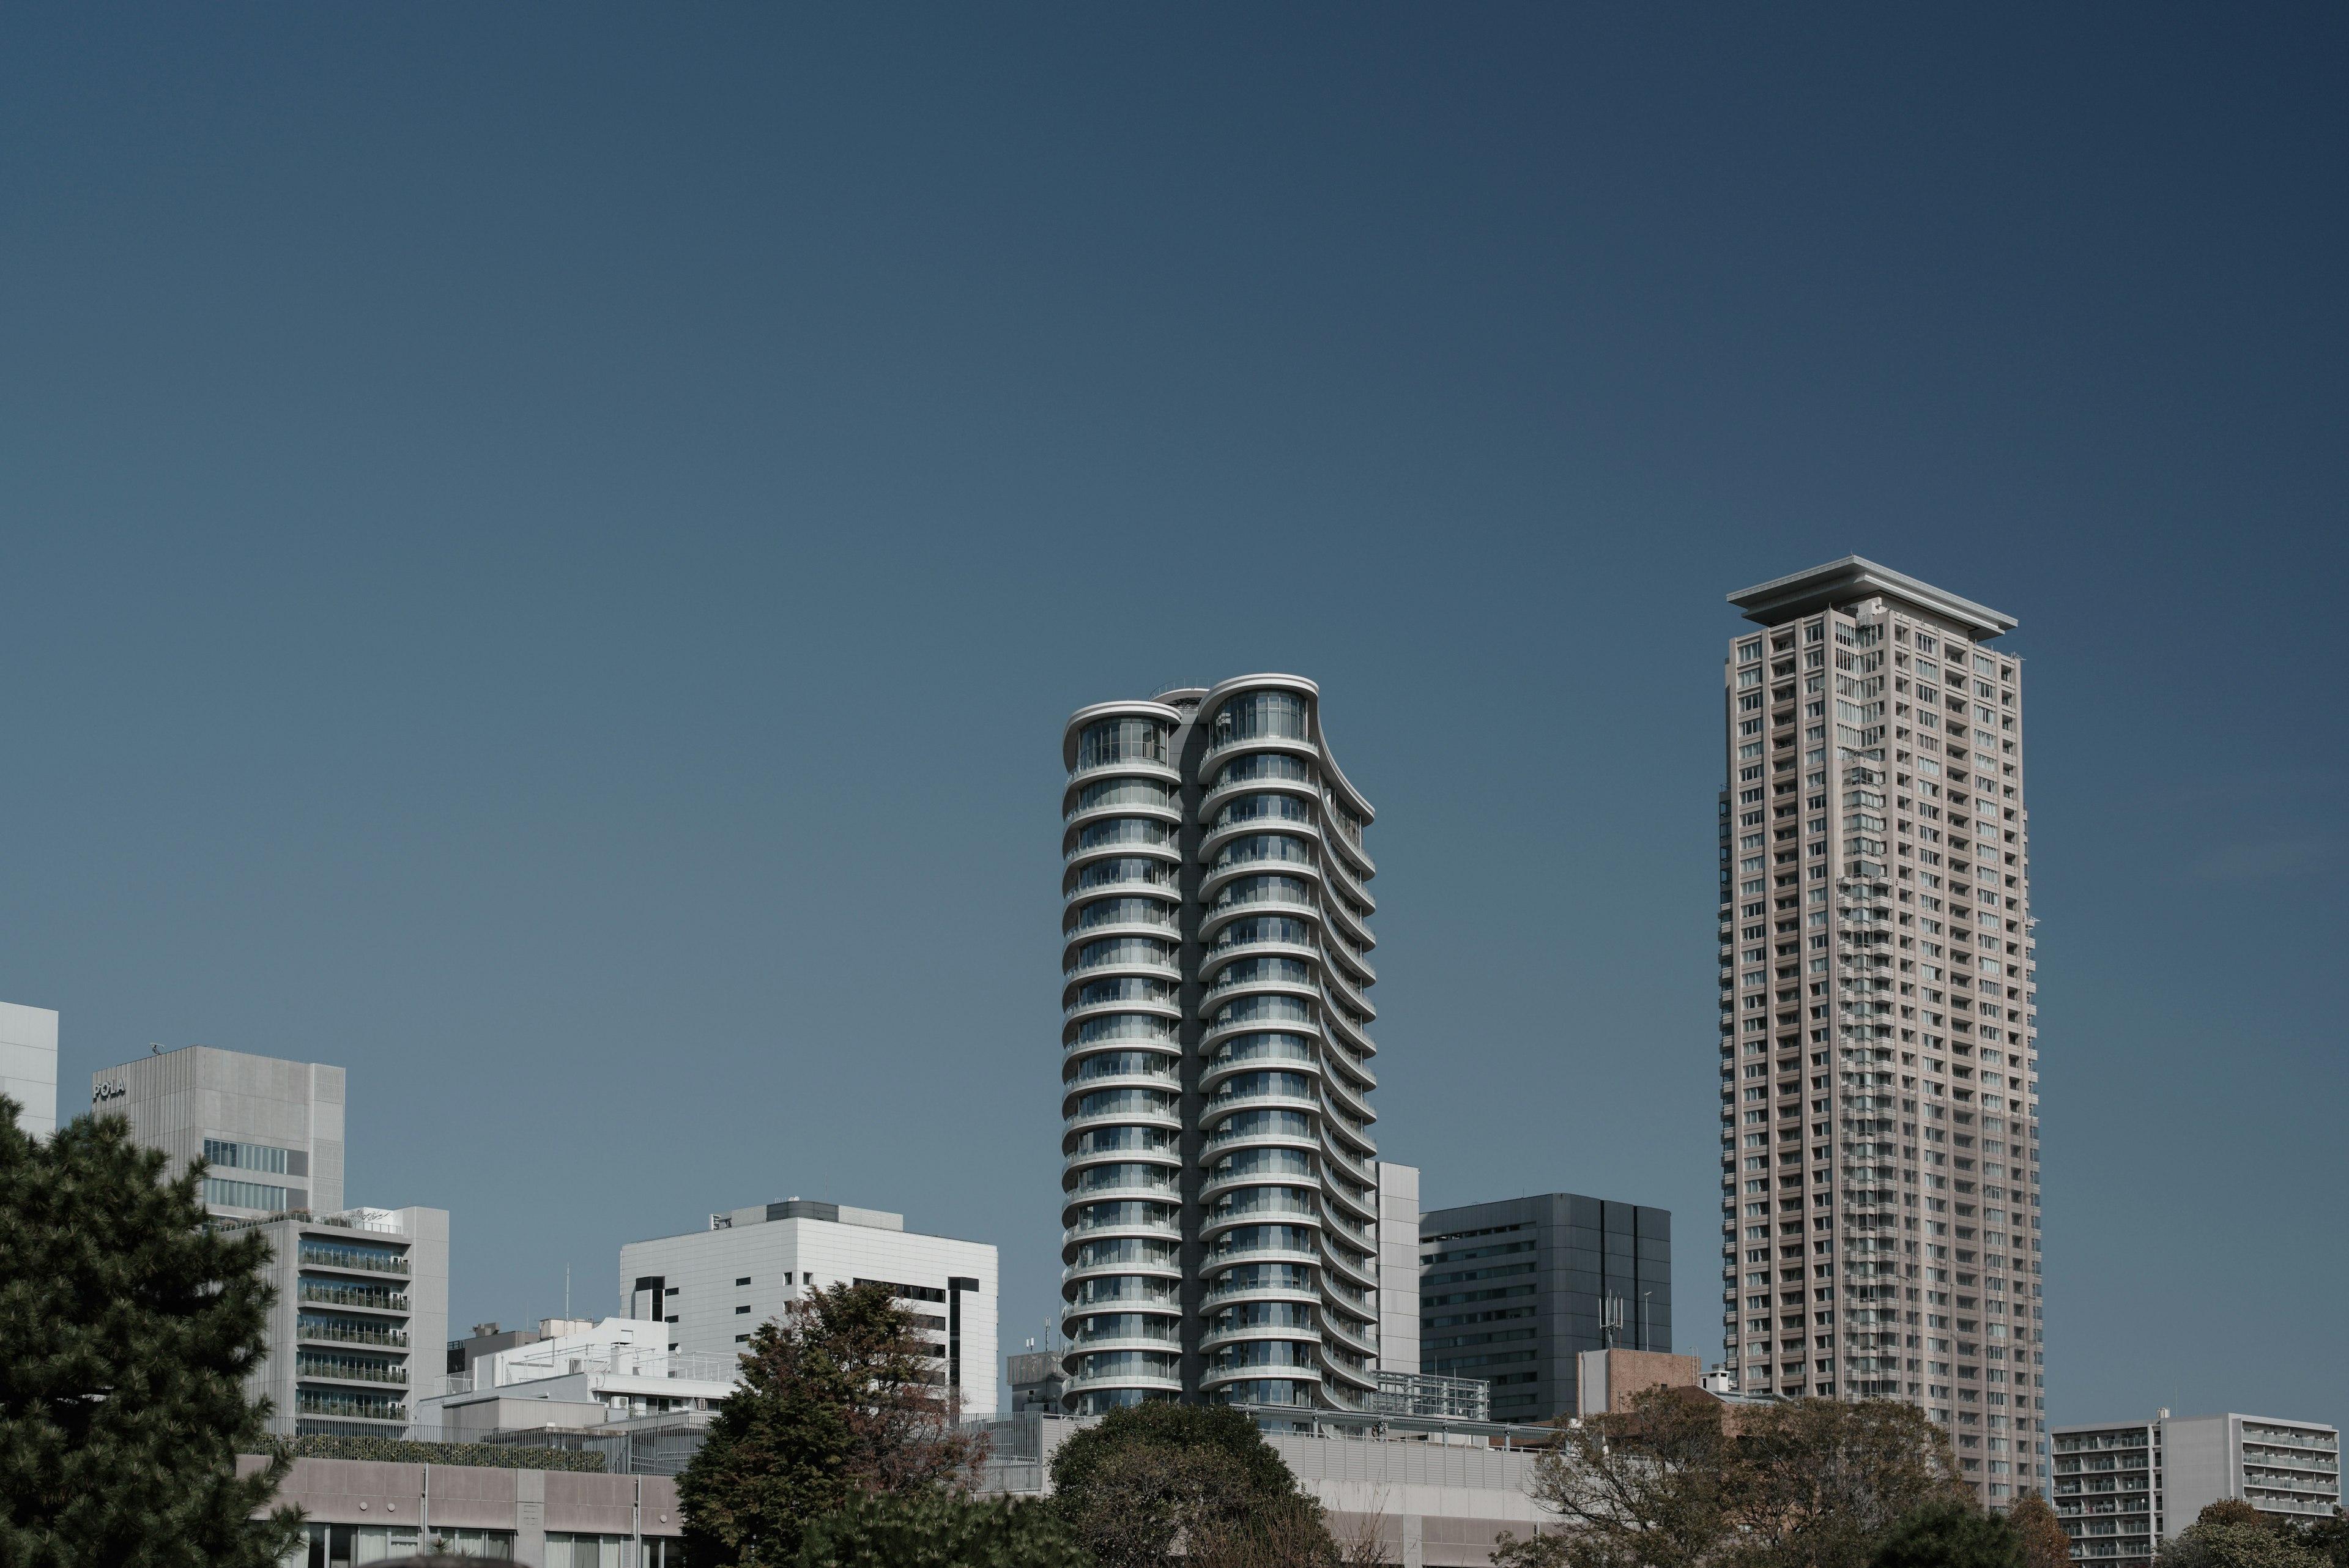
{"x": 126, "y": 1329}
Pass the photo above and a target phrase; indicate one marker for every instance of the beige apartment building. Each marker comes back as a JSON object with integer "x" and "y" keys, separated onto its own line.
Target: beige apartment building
{"x": 1879, "y": 1103}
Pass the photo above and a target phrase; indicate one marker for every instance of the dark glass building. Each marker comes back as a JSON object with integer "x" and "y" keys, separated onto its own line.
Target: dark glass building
{"x": 1513, "y": 1291}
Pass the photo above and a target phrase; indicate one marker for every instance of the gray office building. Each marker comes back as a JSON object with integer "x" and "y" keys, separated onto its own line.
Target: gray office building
{"x": 1512, "y": 1292}
{"x": 362, "y": 1294}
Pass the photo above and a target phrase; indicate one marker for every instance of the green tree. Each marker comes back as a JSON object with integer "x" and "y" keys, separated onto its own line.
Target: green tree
{"x": 126, "y": 1329}
{"x": 1951, "y": 1534}
{"x": 2045, "y": 1542}
{"x": 836, "y": 1399}
{"x": 2329, "y": 1539}
{"x": 938, "y": 1530}
{"x": 1155, "y": 1480}
{"x": 2231, "y": 1533}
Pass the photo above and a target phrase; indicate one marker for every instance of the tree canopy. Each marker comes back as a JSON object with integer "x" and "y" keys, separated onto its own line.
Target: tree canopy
{"x": 127, "y": 1327}
{"x": 1163, "y": 1482}
{"x": 2231, "y": 1533}
{"x": 1679, "y": 1480}
{"x": 836, "y": 1399}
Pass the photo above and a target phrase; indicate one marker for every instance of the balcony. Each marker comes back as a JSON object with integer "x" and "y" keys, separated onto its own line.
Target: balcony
{"x": 322, "y": 1255}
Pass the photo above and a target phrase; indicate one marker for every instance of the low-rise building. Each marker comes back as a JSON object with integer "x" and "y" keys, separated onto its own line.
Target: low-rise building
{"x": 713, "y": 1287}
{"x": 359, "y": 1511}
{"x": 490, "y": 1337}
{"x": 2121, "y": 1488}
{"x": 1037, "y": 1381}
{"x": 584, "y": 1377}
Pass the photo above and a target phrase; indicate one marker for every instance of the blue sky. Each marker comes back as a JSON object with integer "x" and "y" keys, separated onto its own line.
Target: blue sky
{"x": 551, "y": 550}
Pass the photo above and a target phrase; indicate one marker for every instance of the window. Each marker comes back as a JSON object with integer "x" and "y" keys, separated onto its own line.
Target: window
{"x": 743, "y": 1281}
{"x": 1746, "y": 651}
{"x": 739, "y": 1311}
{"x": 566, "y": 1550}
{"x": 242, "y": 1195}
{"x": 246, "y": 1156}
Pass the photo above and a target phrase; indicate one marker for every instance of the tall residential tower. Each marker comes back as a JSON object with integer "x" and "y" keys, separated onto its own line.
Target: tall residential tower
{"x": 1880, "y": 1107}
{"x": 1220, "y": 1189}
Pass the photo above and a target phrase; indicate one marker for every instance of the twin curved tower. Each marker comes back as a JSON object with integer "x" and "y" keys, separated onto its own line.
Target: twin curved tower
{"x": 1219, "y": 1185}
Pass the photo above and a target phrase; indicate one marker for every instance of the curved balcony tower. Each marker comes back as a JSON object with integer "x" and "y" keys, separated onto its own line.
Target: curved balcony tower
{"x": 1219, "y": 1186}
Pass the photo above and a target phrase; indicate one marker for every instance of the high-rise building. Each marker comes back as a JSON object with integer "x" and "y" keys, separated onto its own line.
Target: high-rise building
{"x": 1514, "y": 1292}
{"x": 713, "y": 1287}
{"x": 1220, "y": 1192}
{"x": 362, "y": 1310}
{"x": 1880, "y": 1107}
{"x": 2123, "y": 1489}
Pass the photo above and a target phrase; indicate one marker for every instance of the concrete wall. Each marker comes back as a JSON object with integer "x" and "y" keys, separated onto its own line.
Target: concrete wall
{"x": 1436, "y": 1505}
{"x": 2198, "y": 1461}
{"x": 1398, "y": 1267}
{"x": 527, "y": 1502}
{"x": 28, "y": 1065}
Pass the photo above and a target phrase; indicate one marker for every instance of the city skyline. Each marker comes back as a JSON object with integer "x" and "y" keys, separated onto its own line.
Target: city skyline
{"x": 493, "y": 499}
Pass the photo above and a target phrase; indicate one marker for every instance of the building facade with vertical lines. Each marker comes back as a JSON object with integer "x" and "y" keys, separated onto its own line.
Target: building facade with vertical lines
{"x": 1879, "y": 1051}
{"x": 1513, "y": 1292}
{"x": 1220, "y": 1186}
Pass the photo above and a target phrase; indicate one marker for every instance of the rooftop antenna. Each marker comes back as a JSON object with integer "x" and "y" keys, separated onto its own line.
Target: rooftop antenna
{"x": 1610, "y": 1320}
{"x": 566, "y": 1292}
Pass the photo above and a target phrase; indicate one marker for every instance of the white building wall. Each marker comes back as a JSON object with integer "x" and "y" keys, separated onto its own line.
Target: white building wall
{"x": 28, "y": 1065}
{"x": 176, "y": 1100}
{"x": 780, "y": 1258}
{"x": 1398, "y": 1267}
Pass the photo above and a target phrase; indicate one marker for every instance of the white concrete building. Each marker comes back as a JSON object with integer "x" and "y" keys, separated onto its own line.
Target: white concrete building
{"x": 712, "y": 1287}
{"x": 2121, "y": 1488}
{"x": 362, "y": 1313}
{"x": 2290, "y": 1469}
{"x": 28, "y": 1065}
{"x": 581, "y": 1376}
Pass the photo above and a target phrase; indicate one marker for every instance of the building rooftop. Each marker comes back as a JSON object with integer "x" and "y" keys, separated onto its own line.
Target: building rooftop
{"x": 1857, "y": 577}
